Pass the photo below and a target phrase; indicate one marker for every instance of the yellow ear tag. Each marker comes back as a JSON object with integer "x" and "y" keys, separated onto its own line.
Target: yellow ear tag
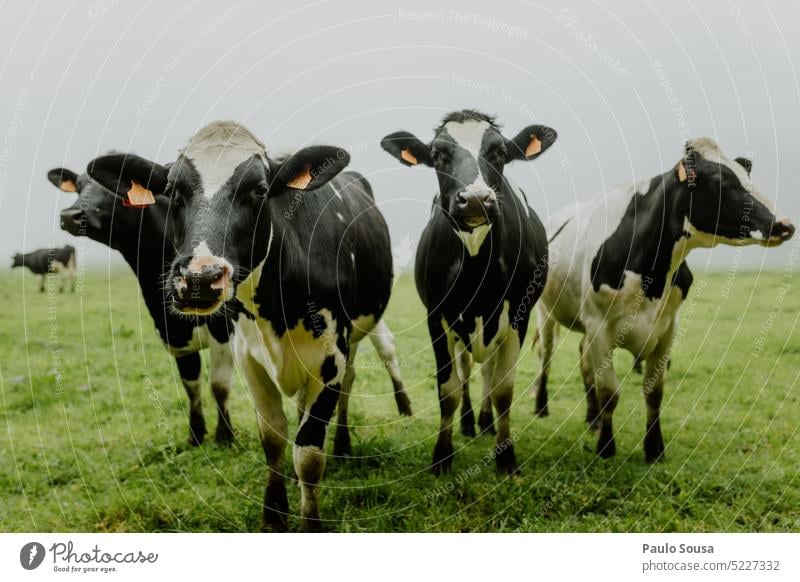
{"x": 409, "y": 157}
{"x": 682, "y": 172}
{"x": 68, "y": 186}
{"x": 534, "y": 147}
{"x": 301, "y": 180}
{"x": 138, "y": 195}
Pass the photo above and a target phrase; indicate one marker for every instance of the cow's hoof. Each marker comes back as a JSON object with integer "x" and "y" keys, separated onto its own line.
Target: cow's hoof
{"x": 276, "y": 508}
{"x": 442, "y": 459}
{"x": 196, "y": 436}
{"x": 341, "y": 443}
{"x": 224, "y": 434}
{"x": 311, "y": 525}
{"x": 486, "y": 423}
{"x": 403, "y": 404}
{"x": 606, "y": 447}
{"x": 468, "y": 423}
{"x": 506, "y": 459}
{"x": 653, "y": 450}
{"x": 542, "y": 411}
{"x": 276, "y": 524}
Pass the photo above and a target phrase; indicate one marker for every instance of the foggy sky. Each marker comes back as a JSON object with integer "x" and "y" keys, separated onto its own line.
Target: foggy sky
{"x": 623, "y": 83}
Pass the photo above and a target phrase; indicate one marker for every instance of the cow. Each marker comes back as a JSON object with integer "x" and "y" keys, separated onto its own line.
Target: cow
{"x": 305, "y": 250}
{"x": 618, "y": 272}
{"x": 141, "y": 237}
{"x": 480, "y": 267}
{"x": 46, "y": 261}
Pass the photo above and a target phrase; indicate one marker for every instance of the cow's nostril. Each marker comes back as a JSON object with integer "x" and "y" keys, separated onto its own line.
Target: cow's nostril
{"x": 789, "y": 232}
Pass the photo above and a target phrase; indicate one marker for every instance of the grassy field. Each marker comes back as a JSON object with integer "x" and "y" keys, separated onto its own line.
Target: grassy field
{"x": 94, "y": 426}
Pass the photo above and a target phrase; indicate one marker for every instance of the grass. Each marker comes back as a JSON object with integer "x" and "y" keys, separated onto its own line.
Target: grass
{"x": 93, "y": 428}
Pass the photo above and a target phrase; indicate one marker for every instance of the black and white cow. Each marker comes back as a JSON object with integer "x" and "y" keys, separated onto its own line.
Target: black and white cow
{"x": 307, "y": 253}
{"x": 46, "y": 261}
{"x": 481, "y": 266}
{"x": 618, "y": 275}
{"x": 140, "y": 235}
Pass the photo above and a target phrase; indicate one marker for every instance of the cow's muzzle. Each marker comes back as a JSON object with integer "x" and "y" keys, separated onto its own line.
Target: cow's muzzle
{"x": 73, "y": 221}
{"x": 200, "y": 289}
{"x": 779, "y": 232}
{"x": 474, "y": 207}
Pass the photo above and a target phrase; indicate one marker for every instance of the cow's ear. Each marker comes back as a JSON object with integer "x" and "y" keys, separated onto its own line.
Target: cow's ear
{"x": 63, "y": 179}
{"x": 308, "y": 169}
{"x": 745, "y": 163}
{"x": 530, "y": 143}
{"x": 129, "y": 177}
{"x": 407, "y": 148}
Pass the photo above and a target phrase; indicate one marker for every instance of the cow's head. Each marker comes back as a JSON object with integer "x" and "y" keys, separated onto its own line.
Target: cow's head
{"x": 218, "y": 191}
{"x": 721, "y": 203}
{"x": 93, "y": 211}
{"x": 16, "y": 261}
{"x": 469, "y": 155}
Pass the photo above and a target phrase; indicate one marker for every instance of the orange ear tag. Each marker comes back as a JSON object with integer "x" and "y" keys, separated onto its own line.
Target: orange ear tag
{"x": 534, "y": 147}
{"x": 139, "y": 196}
{"x": 301, "y": 180}
{"x": 409, "y": 157}
{"x": 68, "y": 186}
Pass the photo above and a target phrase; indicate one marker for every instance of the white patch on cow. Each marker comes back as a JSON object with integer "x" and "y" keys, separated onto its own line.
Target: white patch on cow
{"x": 362, "y": 325}
{"x": 474, "y": 239}
{"x": 218, "y": 149}
{"x": 201, "y": 339}
{"x": 757, "y": 234}
{"x": 468, "y": 134}
{"x": 340, "y": 216}
{"x": 353, "y": 258}
{"x": 336, "y": 191}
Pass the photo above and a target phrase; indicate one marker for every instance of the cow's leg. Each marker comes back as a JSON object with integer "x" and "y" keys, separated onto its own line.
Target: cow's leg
{"x": 341, "y": 439}
{"x": 189, "y": 369}
{"x": 601, "y": 356}
{"x": 653, "y": 389}
{"x": 449, "y": 388}
{"x": 546, "y": 336}
{"x": 221, "y": 380}
{"x": 463, "y": 369}
{"x": 273, "y": 430}
{"x": 41, "y": 284}
{"x": 383, "y": 340}
{"x": 592, "y": 408}
{"x": 504, "y": 367}
{"x": 486, "y": 417}
{"x": 308, "y": 453}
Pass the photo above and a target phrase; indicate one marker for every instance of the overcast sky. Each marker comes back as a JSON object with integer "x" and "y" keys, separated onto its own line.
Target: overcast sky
{"x": 622, "y": 82}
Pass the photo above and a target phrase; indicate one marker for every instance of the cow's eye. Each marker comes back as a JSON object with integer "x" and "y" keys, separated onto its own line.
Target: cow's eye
{"x": 260, "y": 190}
{"x": 439, "y": 157}
{"x": 497, "y": 155}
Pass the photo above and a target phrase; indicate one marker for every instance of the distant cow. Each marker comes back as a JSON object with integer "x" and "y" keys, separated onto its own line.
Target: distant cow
{"x": 307, "y": 253}
{"x": 480, "y": 268}
{"x": 46, "y": 261}
{"x": 618, "y": 276}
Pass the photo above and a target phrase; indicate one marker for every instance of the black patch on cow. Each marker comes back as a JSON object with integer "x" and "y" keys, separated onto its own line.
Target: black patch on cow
{"x": 312, "y": 431}
{"x": 643, "y": 241}
{"x": 328, "y": 370}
